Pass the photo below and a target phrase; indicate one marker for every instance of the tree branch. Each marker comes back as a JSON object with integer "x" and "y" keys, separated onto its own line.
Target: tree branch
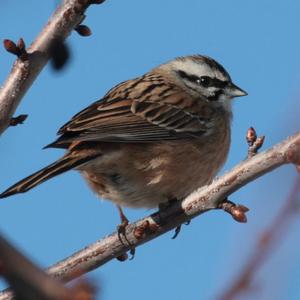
{"x": 30, "y": 282}
{"x": 30, "y": 62}
{"x": 265, "y": 246}
{"x": 200, "y": 201}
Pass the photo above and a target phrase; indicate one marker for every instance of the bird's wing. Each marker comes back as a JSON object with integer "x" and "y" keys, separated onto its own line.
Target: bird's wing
{"x": 140, "y": 110}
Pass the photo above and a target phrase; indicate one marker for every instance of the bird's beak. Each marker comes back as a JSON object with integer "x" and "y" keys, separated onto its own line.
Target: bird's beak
{"x": 234, "y": 91}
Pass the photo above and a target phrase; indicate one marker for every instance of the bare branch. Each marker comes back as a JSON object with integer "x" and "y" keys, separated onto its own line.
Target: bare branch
{"x": 30, "y": 282}
{"x": 30, "y": 62}
{"x": 266, "y": 245}
{"x": 198, "y": 202}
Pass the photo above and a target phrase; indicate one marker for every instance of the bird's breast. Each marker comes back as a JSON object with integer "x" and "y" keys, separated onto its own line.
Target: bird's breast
{"x": 144, "y": 175}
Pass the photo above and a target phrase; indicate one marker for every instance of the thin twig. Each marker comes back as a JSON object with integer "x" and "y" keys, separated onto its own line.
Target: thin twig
{"x": 30, "y": 282}
{"x": 238, "y": 212}
{"x": 198, "y": 202}
{"x": 266, "y": 245}
{"x": 67, "y": 16}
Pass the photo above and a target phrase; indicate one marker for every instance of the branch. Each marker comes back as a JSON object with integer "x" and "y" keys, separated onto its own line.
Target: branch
{"x": 198, "y": 202}
{"x": 30, "y": 282}
{"x": 265, "y": 245}
{"x": 31, "y": 61}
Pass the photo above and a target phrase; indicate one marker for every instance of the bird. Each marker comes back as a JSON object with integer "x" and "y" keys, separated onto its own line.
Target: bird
{"x": 149, "y": 140}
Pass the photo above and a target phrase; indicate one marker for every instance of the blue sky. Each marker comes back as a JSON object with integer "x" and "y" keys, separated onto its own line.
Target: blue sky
{"x": 256, "y": 41}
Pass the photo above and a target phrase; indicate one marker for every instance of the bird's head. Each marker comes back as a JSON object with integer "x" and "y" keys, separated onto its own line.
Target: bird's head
{"x": 203, "y": 77}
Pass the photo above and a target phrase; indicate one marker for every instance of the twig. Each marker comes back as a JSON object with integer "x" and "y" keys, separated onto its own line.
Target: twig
{"x": 254, "y": 142}
{"x": 67, "y": 16}
{"x": 30, "y": 282}
{"x": 265, "y": 246}
{"x": 198, "y": 202}
{"x": 238, "y": 212}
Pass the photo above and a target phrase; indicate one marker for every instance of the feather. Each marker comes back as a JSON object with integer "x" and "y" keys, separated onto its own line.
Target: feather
{"x": 60, "y": 166}
{"x": 154, "y": 110}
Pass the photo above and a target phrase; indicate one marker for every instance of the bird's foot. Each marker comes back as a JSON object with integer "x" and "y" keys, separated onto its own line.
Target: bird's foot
{"x": 162, "y": 207}
{"x": 121, "y": 229}
{"x": 178, "y": 229}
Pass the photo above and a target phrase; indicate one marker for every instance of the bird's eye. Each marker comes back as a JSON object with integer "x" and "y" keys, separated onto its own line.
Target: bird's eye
{"x": 204, "y": 81}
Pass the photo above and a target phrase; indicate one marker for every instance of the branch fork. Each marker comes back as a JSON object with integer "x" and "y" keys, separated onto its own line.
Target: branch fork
{"x": 31, "y": 61}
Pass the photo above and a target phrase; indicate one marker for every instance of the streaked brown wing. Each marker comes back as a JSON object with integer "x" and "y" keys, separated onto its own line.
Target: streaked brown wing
{"x": 130, "y": 115}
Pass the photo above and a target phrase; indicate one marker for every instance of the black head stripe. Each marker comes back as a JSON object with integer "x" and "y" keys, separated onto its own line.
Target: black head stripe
{"x": 184, "y": 75}
{"x": 211, "y": 62}
{"x": 193, "y": 78}
{"x": 219, "y": 83}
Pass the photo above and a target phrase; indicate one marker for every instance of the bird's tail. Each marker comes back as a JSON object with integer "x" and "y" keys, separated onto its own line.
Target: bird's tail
{"x": 60, "y": 166}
